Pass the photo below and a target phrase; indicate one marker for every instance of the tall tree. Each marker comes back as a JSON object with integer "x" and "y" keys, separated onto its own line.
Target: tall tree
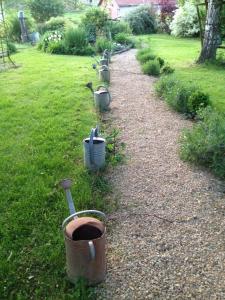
{"x": 212, "y": 31}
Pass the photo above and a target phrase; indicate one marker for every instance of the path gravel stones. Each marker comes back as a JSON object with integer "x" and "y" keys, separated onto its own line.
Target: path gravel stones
{"x": 167, "y": 239}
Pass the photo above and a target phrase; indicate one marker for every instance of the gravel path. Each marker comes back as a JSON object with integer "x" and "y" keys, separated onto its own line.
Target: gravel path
{"x": 167, "y": 240}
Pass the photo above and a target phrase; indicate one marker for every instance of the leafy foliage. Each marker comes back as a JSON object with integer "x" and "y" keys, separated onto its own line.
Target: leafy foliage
{"x": 13, "y": 23}
{"x": 73, "y": 41}
{"x": 43, "y": 10}
{"x": 11, "y": 47}
{"x": 151, "y": 67}
{"x": 142, "y": 20}
{"x": 204, "y": 144}
{"x": 55, "y": 23}
{"x": 184, "y": 98}
{"x": 95, "y": 21}
{"x": 116, "y": 27}
{"x": 102, "y": 44}
{"x": 123, "y": 38}
{"x": 185, "y": 21}
{"x": 165, "y": 16}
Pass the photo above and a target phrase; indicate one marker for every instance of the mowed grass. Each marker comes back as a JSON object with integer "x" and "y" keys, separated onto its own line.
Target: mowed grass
{"x": 181, "y": 54}
{"x": 45, "y": 112}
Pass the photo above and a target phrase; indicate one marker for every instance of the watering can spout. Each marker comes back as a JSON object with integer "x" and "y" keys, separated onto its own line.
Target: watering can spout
{"x": 90, "y": 87}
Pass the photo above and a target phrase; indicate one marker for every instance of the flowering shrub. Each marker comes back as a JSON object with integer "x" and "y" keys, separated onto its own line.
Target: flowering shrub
{"x": 48, "y": 38}
{"x": 185, "y": 21}
{"x": 166, "y": 15}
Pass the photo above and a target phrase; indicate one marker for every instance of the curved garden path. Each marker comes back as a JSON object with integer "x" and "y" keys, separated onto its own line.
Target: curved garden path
{"x": 167, "y": 239}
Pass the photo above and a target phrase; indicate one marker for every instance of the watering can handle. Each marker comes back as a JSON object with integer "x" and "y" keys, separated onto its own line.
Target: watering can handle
{"x": 110, "y": 98}
{"x": 96, "y": 212}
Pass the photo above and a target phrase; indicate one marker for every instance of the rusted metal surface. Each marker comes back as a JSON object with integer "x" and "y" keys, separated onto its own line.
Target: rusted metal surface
{"x": 79, "y": 259}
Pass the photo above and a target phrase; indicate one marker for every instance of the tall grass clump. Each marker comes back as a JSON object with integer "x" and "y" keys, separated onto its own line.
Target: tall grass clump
{"x": 204, "y": 144}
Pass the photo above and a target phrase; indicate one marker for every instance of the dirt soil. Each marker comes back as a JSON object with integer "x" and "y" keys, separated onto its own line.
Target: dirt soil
{"x": 167, "y": 239}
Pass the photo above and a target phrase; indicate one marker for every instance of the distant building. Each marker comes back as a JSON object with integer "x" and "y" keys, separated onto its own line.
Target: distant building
{"x": 120, "y": 8}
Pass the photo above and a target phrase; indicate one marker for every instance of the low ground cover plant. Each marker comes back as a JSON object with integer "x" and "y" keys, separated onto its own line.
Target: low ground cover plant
{"x": 184, "y": 98}
{"x": 204, "y": 144}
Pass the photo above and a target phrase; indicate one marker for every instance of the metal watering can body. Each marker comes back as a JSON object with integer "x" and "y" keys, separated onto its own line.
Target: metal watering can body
{"x": 104, "y": 73}
{"x": 104, "y": 61}
{"x": 107, "y": 55}
{"x": 102, "y": 98}
{"x": 85, "y": 240}
{"x": 94, "y": 151}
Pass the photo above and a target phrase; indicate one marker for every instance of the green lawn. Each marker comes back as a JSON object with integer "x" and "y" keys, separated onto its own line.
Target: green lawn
{"x": 181, "y": 54}
{"x": 45, "y": 112}
{"x": 75, "y": 16}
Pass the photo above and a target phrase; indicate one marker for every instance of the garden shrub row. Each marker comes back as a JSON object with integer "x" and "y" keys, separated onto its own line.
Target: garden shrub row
{"x": 204, "y": 143}
{"x": 182, "y": 97}
{"x": 91, "y": 36}
{"x": 151, "y": 64}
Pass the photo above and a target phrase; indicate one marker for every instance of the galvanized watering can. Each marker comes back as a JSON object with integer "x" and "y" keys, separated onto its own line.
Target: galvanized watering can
{"x": 104, "y": 73}
{"x": 102, "y": 97}
{"x": 85, "y": 243}
{"x": 104, "y": 61}
{"x": 94, "y": 151}
{"x": 107, "y": 55}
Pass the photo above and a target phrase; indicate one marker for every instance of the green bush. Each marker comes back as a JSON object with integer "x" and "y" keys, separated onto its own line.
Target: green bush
{"x": 56, "y": 48}
{"x": 50, "y": 37}
{"x": 165, "y": 85}
{"x": 197, "y": 100}
{"x": 116, "y": 27}
{"x": 161, "y": 61}
{"x": 75, "y": 41}
{"x": 184, "y": 98}
{"x": 167, "y": 70}
{"x": 146, "y": 57}
{"x": 204, "y": 144}
{"x": 142, "y": 20}
{"x": 13, "y": 25}
{"x": 123, "y": 38}
{"x": 96, "y": 19}
{"x": 142, "y": 53}
{"x": 102, "y": 44}
{"x": 55, "y": 23}
{"x": 11, "y": 48}
{"x": 151, "y": 67}
{"x": 43, "y": 10}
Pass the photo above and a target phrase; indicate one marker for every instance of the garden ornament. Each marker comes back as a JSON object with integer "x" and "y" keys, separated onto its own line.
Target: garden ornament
{"x": 102, "y": 97}
{"x": 104, "y": 73}
{"x": 84, "y": 241}
{"x": 94, "y": 151}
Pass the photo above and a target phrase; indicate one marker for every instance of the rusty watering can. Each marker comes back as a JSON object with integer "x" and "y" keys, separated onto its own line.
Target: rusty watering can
{"x": 104, "y": 73}
{"x": 85, "y": 243}
{"x": 94, "y": 151}
{"x": 102, "y": 97}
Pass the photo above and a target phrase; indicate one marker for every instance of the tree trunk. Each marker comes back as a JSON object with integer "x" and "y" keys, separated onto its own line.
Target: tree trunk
{"x": 212, "y": 32}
